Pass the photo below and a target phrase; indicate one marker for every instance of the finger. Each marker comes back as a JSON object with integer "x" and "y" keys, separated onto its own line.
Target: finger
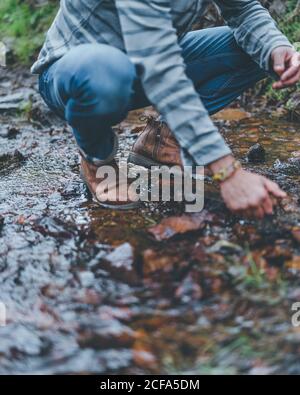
{"x": 278, "y": 85}
{"x": 268, "y": 205}
{"x": 259, "y": 212}
{"x": 290, "y": 73}
{"x": 292, "y": 81}
{"x": 279, "y": 63}
{"x": 286, "y": 84}
{"x": 274, "y": 201}
{"x": 274, "y": 189}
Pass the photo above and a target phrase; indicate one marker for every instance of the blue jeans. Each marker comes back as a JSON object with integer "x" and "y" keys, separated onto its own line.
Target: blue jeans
{"x": 94, "y": 86}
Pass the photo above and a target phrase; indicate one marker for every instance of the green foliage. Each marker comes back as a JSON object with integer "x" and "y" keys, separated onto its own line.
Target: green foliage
{"x": 290, "y": 23}
{"x": 25, "y": 24}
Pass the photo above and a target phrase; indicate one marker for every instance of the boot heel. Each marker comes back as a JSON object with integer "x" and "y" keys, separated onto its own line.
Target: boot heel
{"x": 141, "y": 160}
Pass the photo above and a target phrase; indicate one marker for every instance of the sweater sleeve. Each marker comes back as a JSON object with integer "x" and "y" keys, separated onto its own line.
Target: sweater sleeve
{"x": 152, "y": 45}
{"x": 254, "y": 29}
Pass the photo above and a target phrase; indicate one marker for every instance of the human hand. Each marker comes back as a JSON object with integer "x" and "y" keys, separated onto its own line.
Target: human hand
{"x": 286, "y": 63}
{"x": 250, "y": 194}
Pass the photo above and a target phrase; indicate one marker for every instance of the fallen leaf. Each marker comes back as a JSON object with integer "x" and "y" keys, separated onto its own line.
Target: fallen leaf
{"x": 169, "y": 227}
{"x": 154, "y": 261}
{"x": 232, "y": 114}
{"x": 103, "y": 334}
{"x": 294, "y": 263}
{"x": 296, "y": 234}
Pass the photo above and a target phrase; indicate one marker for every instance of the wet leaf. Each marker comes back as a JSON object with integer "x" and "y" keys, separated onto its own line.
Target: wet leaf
{"x": 154, "y": 261}
{"x": 294, "y": 263}
{"x": 105, "y": 334}
{"x": 278, "y": 254}
{"x": 232, "y": 114}
{"x": 296, "y": 234}
{"x": 169, "y": 227}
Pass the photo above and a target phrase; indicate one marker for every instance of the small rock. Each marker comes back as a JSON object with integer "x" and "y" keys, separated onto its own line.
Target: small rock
{"x": 189, "y": 290}
{"x": 54, "y": 227}
{"x": 11, "y": 161}
{"x": 14, "y": 101}
{"x": 120, "y": 263}
{"x": 256, "y": 154}
{"x": 225, "y": 246}
{"x": 86, "y": 279}
{"x": 12, "y": 132}
{"x": 104, "y": 334}
{"x": 295, "y": 161}
{"x": 9, "y": 132}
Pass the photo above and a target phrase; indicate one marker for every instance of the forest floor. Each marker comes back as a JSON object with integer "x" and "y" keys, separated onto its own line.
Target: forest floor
{"x": 90, "y": 290}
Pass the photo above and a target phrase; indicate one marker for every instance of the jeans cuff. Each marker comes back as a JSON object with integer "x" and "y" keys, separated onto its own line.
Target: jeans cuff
{"x": 100, "y": 162}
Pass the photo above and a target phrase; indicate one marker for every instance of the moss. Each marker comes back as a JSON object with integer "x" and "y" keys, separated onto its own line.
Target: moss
{"x": 26, "y": 24}
{"x": 290, "y": 23}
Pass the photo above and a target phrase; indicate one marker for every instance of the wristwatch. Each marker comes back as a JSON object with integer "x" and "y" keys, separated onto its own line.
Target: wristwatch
{"x": 226, "y": 172}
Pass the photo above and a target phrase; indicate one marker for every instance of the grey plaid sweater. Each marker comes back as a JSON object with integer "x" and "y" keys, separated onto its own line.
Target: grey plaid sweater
{"x": 149, "y": 31}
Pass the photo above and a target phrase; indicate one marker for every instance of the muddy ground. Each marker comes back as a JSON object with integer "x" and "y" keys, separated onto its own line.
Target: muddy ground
{"x": 90, "y": 290}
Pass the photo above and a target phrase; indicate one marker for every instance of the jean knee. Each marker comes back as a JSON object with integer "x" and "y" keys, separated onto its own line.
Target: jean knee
{"x": 102, "y": 78}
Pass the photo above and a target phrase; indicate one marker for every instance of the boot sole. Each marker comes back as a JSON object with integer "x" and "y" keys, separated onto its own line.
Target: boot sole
{"x": 128, "y": 206}
{"x": 141, "y": 160}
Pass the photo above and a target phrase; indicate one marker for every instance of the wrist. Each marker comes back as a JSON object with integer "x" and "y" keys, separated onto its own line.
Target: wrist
{"x": 219, "y": 164}
{"x": 225, "y": 169}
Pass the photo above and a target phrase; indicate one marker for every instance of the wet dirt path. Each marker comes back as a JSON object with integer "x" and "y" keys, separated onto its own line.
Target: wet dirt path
{"x": 89, "y": 290}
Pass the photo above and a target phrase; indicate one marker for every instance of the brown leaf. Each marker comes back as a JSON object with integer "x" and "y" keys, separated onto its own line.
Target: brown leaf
{"x": 296, "y": 234}
{"x": 232, "y": 114}
{"x": 294, "y": 263}
{"x": 154, "y": 261}
{"x": 172, "y": 226}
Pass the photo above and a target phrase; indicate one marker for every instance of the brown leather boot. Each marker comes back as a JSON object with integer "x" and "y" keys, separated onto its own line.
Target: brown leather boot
{"x": 156, "y": 146}
{"x": 114, "y": 195}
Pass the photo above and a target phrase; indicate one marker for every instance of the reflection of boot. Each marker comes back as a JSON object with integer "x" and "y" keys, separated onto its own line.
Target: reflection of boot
{"x": 156, "y": 146}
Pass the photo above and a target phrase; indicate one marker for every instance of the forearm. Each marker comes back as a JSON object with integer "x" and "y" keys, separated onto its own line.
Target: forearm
{"x": 254, "y": 29}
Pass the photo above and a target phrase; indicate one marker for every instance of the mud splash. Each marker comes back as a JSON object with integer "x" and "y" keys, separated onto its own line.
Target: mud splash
{"x": 91, "y": 291}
